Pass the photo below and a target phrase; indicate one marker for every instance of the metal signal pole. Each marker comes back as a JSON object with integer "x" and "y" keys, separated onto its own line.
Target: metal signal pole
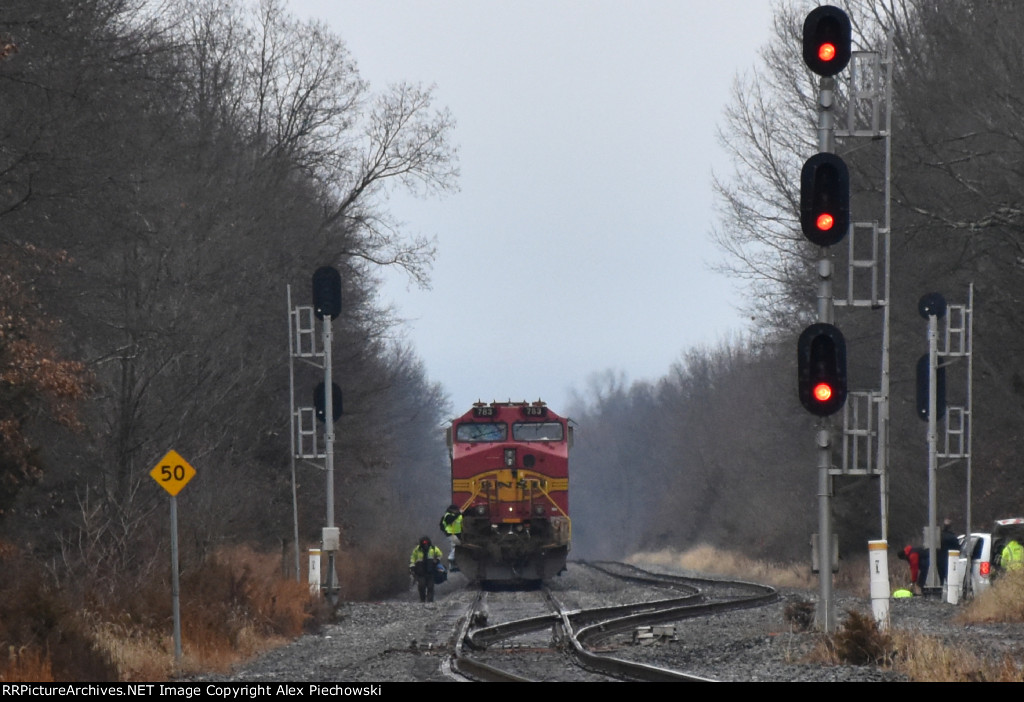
{"x": 825, "y": 221}
{"x": 331, "y": 537}
{"x": 825, "y": 616}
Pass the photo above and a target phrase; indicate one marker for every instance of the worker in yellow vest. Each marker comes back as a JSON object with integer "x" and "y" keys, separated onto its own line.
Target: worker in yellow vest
{"x": 423, "y": 564}
{"x": 451, "y": 525}
{"x": 1012, "y": 556}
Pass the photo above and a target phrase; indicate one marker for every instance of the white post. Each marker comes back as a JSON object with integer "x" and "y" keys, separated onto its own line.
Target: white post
{"x": 954, "y": 577}
{"x": 314, "y": 571}
{"x": 878, "y": 551}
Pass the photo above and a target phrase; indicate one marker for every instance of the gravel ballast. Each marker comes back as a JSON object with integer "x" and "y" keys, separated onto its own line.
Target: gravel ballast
{"x": 402, "y": 640}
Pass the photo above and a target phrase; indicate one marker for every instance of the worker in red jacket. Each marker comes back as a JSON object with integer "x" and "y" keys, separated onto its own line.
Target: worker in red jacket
{"x": 917, "y": 558}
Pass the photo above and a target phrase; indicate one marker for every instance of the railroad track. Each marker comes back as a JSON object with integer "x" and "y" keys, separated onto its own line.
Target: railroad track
{"x": 564, "y": 635}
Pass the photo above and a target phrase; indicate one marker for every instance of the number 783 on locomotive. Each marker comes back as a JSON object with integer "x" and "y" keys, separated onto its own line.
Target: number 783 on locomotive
{"x": 510, "y": 478}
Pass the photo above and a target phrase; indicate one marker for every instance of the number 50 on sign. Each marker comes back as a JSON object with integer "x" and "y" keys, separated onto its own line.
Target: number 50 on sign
{"x": 172, "y": 473}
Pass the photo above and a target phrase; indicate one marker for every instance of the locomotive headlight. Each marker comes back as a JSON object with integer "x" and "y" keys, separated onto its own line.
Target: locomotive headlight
{"x": 510, "y": 458}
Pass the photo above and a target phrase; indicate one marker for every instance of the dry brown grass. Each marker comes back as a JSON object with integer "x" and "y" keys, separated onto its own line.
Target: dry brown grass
{"x": 26, "y": 666}
{"x": 234, "y": 606}
{"x": 42, "y": 634}
{"x": 1003, "y": 602}
{"x": 852, "y": 576}
{"x": 237, "y": 606}
{"x": 136, "y": 652}
{"x": 861, "y": 642}
{"x": 707, "y": 559}
{"x": 921, "y": 658}
{"x": 858, "y": 641}
{"x": 926, "y": 659}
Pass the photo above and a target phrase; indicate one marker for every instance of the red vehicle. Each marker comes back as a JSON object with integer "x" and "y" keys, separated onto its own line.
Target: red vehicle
{"x": 510, "y": 478}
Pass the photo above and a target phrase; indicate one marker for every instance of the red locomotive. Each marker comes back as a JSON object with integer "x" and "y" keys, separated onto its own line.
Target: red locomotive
{"x": 510, "y": 478}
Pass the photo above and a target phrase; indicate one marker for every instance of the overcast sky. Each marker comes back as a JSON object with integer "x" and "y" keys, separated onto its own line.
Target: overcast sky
{"x": 579, "y": 242}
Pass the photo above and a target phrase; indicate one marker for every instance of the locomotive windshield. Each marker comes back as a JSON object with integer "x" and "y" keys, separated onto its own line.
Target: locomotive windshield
{"x": 537, "y": 431}
{"x": 481, "y": 431}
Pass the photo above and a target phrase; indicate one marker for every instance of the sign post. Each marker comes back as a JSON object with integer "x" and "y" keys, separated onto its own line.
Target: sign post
{"x": 172, "y": 473}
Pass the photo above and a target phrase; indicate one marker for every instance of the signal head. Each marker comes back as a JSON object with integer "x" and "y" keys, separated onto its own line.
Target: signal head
{"x": 320, "y": 402}
{"x": 825, "y": 199}
{"x": 931, "y": 304}
{"x": 821, "y": 369}
{"x": 923, "y": 393}
{"x": 826, "y": 40}
{"x": 326, "y": 292}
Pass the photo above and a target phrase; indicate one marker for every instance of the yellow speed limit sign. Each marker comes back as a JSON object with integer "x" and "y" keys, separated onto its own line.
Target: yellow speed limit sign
{"x": 172, "y": 473}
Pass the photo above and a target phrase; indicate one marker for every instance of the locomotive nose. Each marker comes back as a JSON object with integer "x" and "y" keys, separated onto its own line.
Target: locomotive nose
{"x": 510, "y": 469}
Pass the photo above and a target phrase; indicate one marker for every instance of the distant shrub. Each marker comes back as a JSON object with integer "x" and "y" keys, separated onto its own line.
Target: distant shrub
{"x": 859, "y": 641}
{"x": 800, "y": 615}
{"x": 237, "y": 604}
{"x": 44, "y": 636}
{"x": 233, "y": 605}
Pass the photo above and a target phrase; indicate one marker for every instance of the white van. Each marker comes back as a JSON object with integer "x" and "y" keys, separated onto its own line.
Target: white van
{"x": 985, "y": 550}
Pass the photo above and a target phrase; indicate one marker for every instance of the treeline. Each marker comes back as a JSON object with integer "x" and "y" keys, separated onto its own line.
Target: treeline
{"x": 165, "y": 170}
{"x": 720, "y": 450}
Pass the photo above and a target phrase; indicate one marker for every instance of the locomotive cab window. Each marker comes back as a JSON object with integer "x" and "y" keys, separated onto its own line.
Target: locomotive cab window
{"x": 538, "y": 431}
{"x": 481, "y": 431}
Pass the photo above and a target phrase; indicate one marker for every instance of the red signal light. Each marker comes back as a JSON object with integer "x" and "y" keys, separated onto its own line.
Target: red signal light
{"x": 825, "y": 221}
{"x": 822, "y": 392}
{"x": 827, "y": 51}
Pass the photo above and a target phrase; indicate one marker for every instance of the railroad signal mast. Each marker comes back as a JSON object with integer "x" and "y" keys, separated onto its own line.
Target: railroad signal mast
{"x": 950, "y": 330}
{"x": 825, "y": 221}
{"x": 864, "y": 277}
{"x": 305, "y": 439}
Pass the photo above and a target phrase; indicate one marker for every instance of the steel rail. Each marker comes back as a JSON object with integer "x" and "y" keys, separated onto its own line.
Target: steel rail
{"x": 588, "y": 626}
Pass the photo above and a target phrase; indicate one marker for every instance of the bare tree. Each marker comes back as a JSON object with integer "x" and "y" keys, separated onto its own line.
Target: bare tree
{"x": 303, "y": 100}
{"x": 769, "y": 130}
{"x": 407, "y": 143}
{"x": 192, "y": 158}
